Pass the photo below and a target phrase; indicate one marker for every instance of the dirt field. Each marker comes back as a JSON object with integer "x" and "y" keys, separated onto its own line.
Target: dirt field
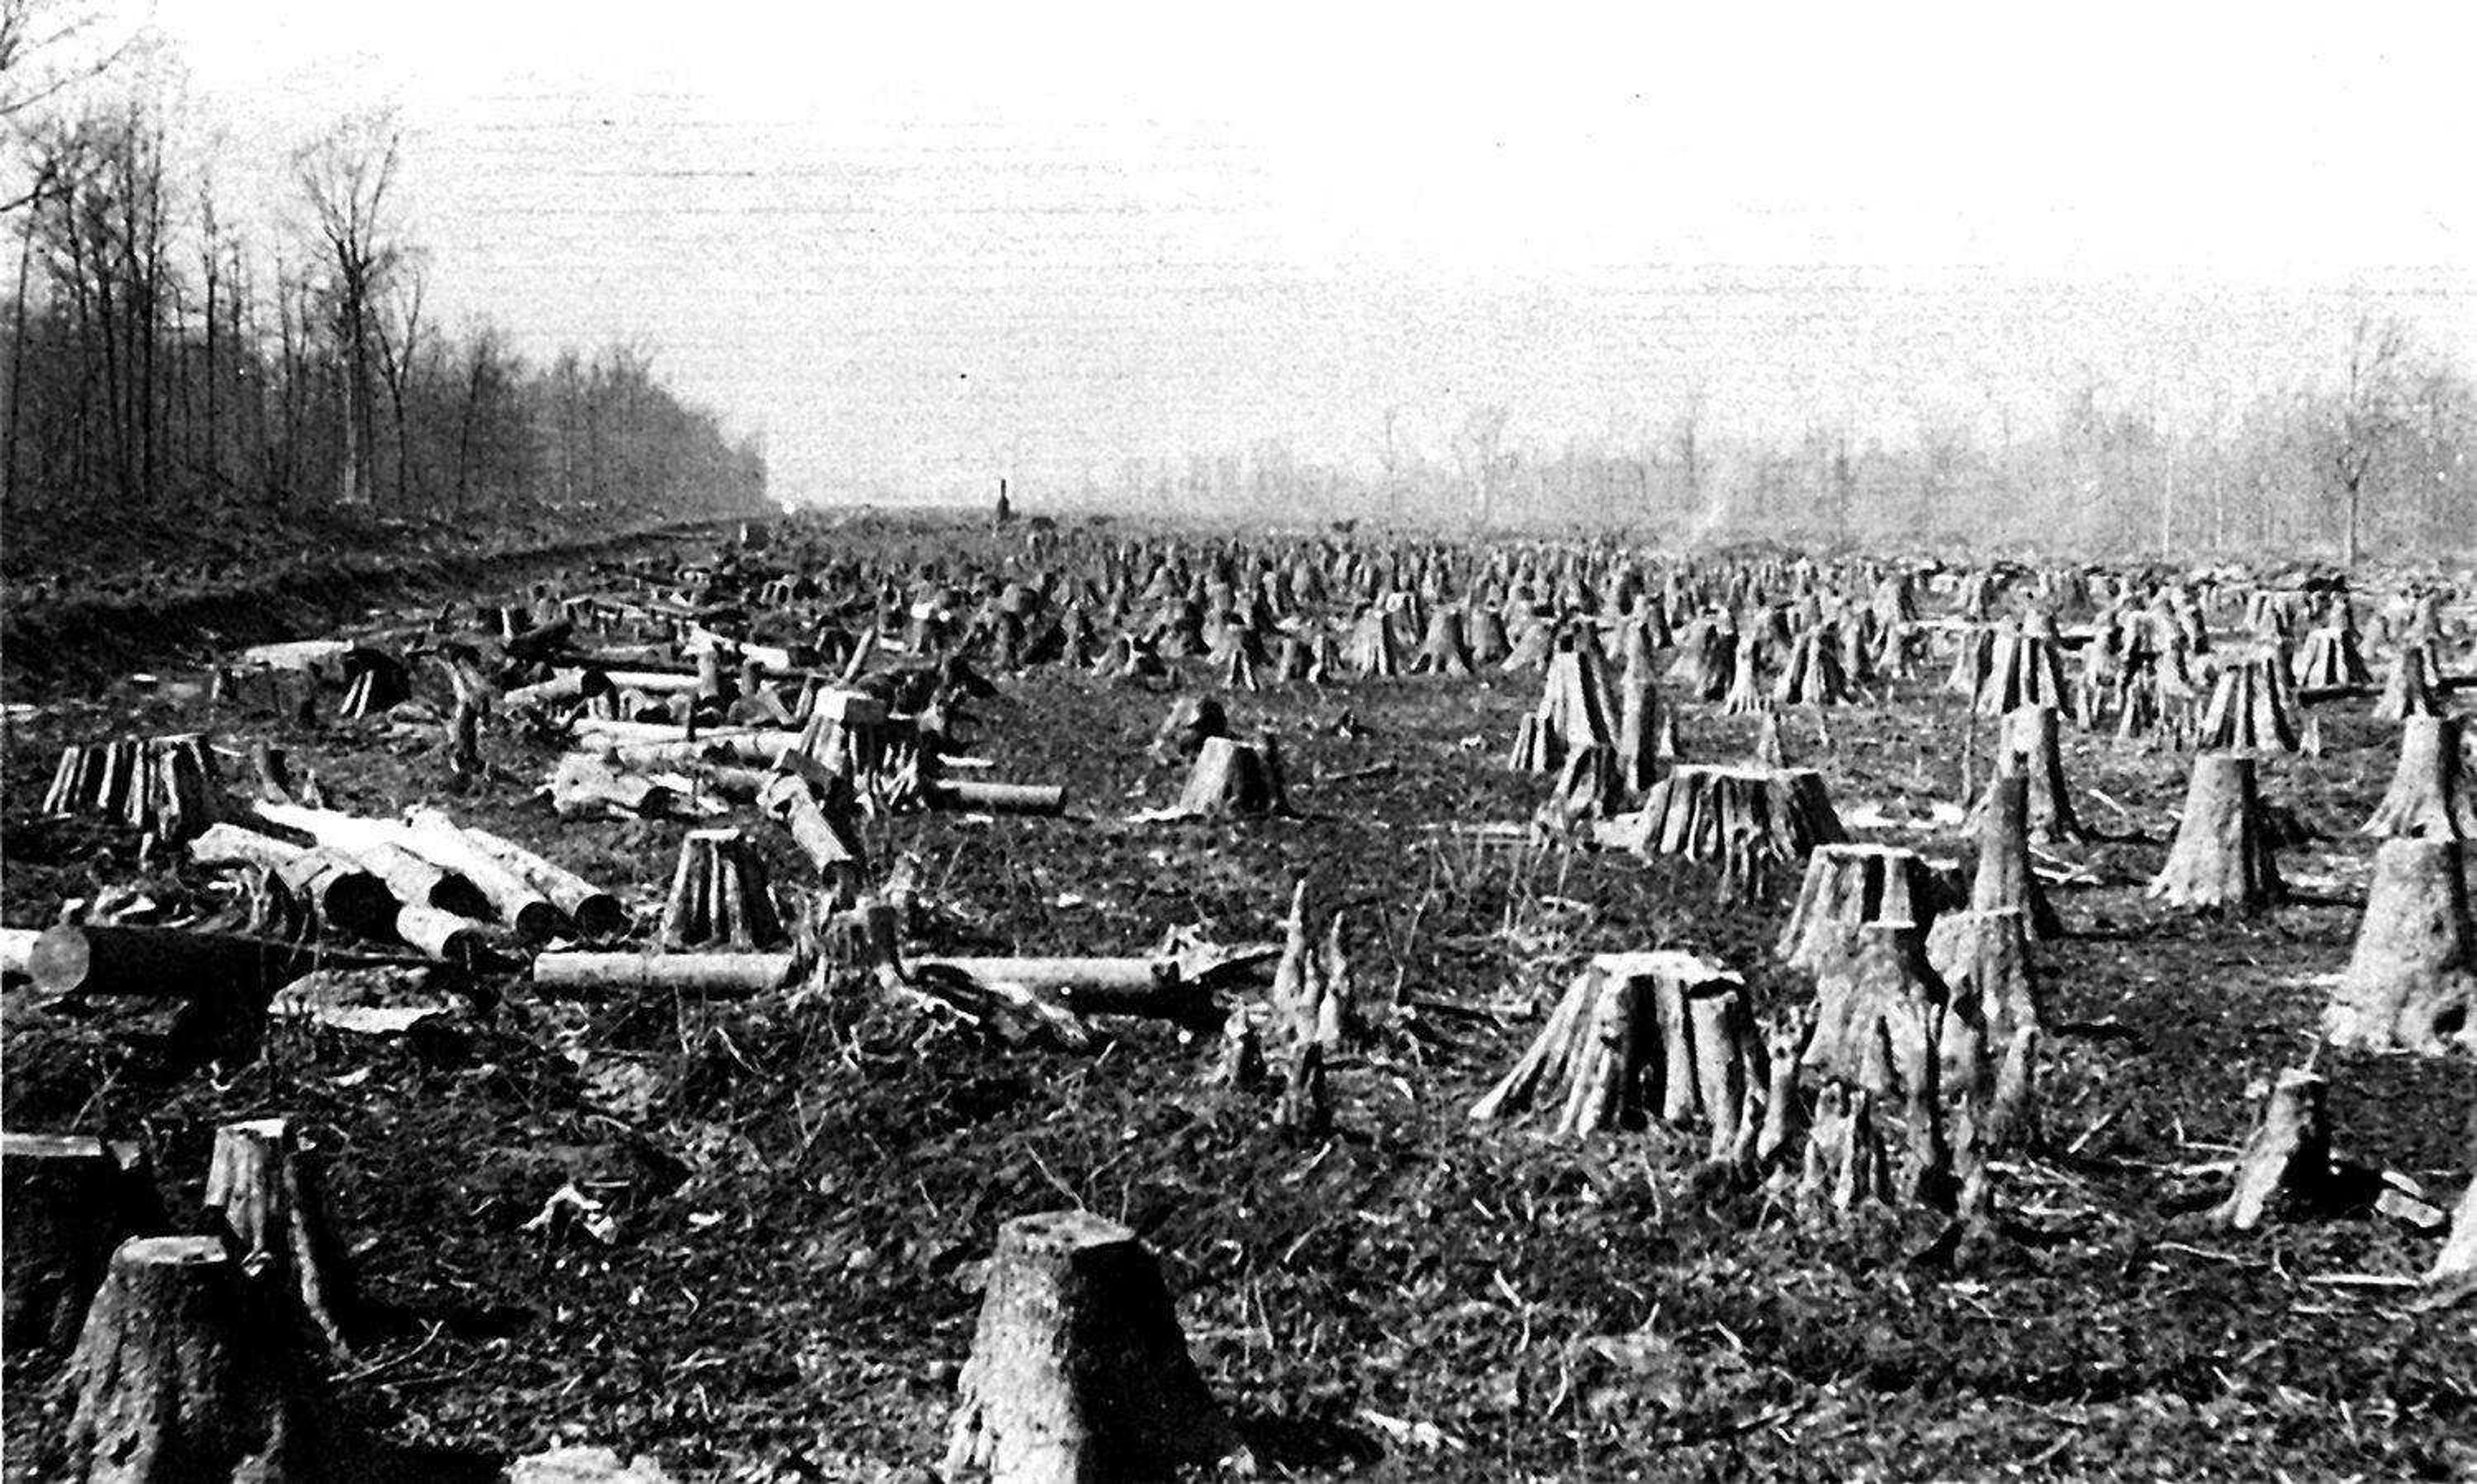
{"x": 806, "y": 1190}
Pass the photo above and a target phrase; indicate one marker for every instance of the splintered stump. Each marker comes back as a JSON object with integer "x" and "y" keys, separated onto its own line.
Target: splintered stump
{"x": 719, "y": 897}
{"x": 2286, "y": 1165}
{"x": 2221, "y": 860}
{"x": 2408, "y": 688}
{"x": 1846, "y": 886}
{"x": 1079, "y": 1373}
{"x": 264, "y": 1191}
{"x": 2005, "y": 876}
{"x": 2430, "y": 794}
{"x": 67, "y": 1210}
{"x": 1638, "y": 1038}
{"x": 178, "y": 1378}
{"x": 1232, "y": 777}
{"x": 1750, "y": 820}
{"x": 1572, "y": 715}
{"x": 2412, "y": 982}
{"x": 166, "y": 787}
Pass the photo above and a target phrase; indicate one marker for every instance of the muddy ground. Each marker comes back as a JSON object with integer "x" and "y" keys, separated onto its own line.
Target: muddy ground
{"x": 804, "y": 1192}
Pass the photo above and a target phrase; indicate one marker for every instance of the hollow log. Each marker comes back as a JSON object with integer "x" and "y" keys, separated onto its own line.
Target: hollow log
{"x": 512, "y": 898}
{"x": 1078, "y": 1372}
{"x": 595, "y": 912}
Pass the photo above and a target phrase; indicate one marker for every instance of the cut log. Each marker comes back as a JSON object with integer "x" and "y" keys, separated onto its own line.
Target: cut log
{"x": 703, "y": 975}
{"x": 340, "y": 893}
{"x": 67, "y": 1211}
{"x": 719, "y": 897}
{"x": 974, "y": 796}
{"x": 264, "y": 1194}
{"x": 2221, "y": 859}
{"x": 177, "y": 1379}
{"x": 2411, "y": 983}
{"x": 595, "y": 913}
{"x": 512, "y": 898}
{"x": 125, "y": 959}
{"x": 1079, "y": 1373}
{"x": 2431, "y": 793}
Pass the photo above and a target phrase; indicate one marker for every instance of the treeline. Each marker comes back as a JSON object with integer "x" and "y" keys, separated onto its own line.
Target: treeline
{"x": 163, "y": 364}
{"x": 2378, "y": 458}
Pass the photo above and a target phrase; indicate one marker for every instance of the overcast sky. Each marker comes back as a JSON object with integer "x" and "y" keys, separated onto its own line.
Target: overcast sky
{"x": 920, "y": 249}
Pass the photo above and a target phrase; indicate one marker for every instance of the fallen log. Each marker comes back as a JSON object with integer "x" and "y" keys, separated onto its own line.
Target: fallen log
{"x": 968, "y": 794}
{"x": 125, "y": 959}
{"x": 1155, "y": 987}
{"x": 512, "y": 897}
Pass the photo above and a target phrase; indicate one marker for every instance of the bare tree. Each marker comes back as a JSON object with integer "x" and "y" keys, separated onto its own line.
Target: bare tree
{"x": 2355, "y": 430}
{"x": 346, "y": 177}
{"x": 1481, "y": 447}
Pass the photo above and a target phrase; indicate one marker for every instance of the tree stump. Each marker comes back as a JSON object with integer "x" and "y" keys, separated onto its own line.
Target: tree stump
{"x": 1750, "y": 820}
{"x": 1846, "y": 886}
{"x": 1641, "y": 719}
{"x": 2030, "y": 743}
{"x": 1442, "y": 650}
{"x": 178, "y": 1379}
{"x": 2026, "y": 669}
{"x": 167, "y": 786}
{"x": 1191, "y": 722}
{"x": 1745, "y": 696}
{"x": 1876, "y": 1011}
{"x": 719, "y": 897}
{"x": 2221, "y": 859}
{"x": 1982, "y": 958}
{"x": 2410, "y": 981}
{"x": 264, "y": 1192}
{"x": 1079, "y": 1373}
{"x": 67, "y": 1211}
{"x": 1232, "y": 779}
{"x": 2249, "y": 709}
{"x": 1813, "y": 675}
{"x": 1638, "y": 1038}
{"x": 2286, "y": 1164}
{"x": 2004, "y": 877}
{"x": 2430, "y": 794}
{"x": 2407, "y": 686}
{"x": 1707, "y": 661}
{"x": 2333, "y": 657}
{"x": 1303, "y": 1108}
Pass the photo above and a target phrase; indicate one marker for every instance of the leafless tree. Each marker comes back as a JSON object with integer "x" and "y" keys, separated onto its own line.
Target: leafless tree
{"x": 346, "y": 177}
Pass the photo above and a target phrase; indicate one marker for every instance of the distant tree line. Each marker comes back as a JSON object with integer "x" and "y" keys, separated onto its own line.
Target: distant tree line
{"x": 161, "y": 363}
{"x": 2378, "y": 458}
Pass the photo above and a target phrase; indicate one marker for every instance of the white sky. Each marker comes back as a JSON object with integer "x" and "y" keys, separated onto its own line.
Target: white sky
{"x": 928, "y": 247}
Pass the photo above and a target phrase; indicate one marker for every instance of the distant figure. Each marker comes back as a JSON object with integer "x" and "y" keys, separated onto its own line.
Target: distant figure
{"x": 1005, "y": 508}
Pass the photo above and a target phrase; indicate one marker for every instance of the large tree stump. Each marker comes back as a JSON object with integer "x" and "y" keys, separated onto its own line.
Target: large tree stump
{"x": 2221, "y": 859}
{"x": 67, "y": 1208}
{"x": 2004, "y": 876}
{"x": 2025, "y": 668}
{"x": 1442, "y": 650}
{"x": 2430, "y": 793}
{"x": 2411, "y": 983}
{"x": 1750, "y": 820}
{"x": 2333, "y": 656}
{"x": 1638, "y": 1038}
{"x": 1191, "y": 722}
{"x": 1707, "y": 661}
{"x": 264, "y": 1192}
{"x": 1982, "y": 958}
{"x": 1813, "y": 675}
{"x": 719, "y": 897}
{"x": 1846, "y": 886}
{"x": 178, "y": 1379}
{"x": 1079, "y": 1373}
